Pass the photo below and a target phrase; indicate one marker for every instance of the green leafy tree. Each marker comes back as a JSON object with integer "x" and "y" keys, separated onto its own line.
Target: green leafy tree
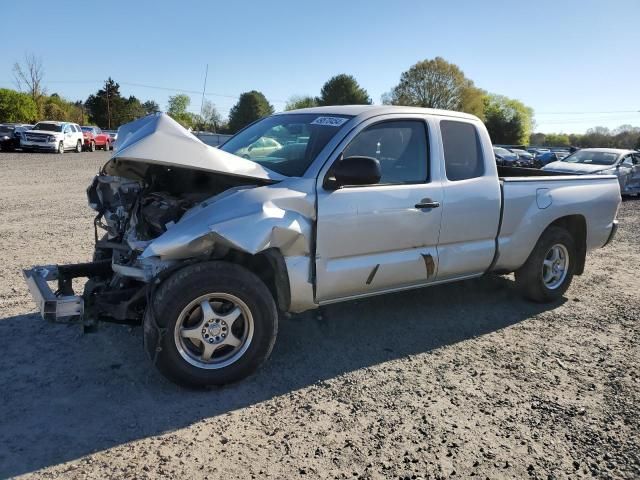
{"x": 437, "y": 84}
{"x": 343, "y": 89}
{"x": 508, "y": 121}
{"x": 298, "y": 101}
{"x": 17, "y": 107}
{"x": 177, "y": 109}
{"x": 57, "y": 108}
{"x": 251, "y": 106}
{"x": 557, "y": 140}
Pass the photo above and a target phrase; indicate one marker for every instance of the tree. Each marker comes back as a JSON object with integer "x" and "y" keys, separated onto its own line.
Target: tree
{"x": 177, "y": 109}
{"x": 57, "y": 108}
{"x": 150, "y": 107}
{"x": 251, "y": 106}
{"x": 104, "y": 105}
{"x": 508, "y": 121}
{"x": 537, "y": 139}
{"x": 437, "y": 84}
{"x": 343, "y": 89}
{"x": 29, "y": 75}
{"x": 107, "y": 108}
{"x": 209, "y": 117}
{"x": 300, "y": 101}
{"x": 557, "y": 140}
{"x": 17, "y": 107}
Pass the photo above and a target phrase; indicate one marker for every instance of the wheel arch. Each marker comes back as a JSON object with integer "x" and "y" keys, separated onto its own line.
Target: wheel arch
{"x": 269, "y": 265}
{"x": 576, "y": 225}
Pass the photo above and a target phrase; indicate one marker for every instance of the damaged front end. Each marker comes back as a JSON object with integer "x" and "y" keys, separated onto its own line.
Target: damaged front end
{"x": 155, "y": 215}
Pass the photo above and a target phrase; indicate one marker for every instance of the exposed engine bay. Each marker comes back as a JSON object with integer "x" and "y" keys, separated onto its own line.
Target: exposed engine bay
{"x": 136, "y": 203}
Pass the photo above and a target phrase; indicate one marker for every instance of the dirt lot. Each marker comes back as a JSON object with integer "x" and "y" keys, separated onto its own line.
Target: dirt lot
{"x": 453, "y": 381}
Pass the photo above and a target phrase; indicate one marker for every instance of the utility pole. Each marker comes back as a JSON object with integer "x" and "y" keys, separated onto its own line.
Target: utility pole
{"x": 108, "y": 106}
{"x": 204, "y": 88}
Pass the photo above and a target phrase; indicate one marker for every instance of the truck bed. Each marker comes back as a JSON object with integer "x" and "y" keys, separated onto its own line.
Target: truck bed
{"x": 533, "y": 199}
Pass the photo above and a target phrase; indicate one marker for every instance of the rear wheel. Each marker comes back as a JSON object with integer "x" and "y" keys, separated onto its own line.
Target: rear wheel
{"x": 547, "y": 273}
{"x": 92, "y": 146}
{"x": 106, "y": 146}
{"x": 79, "y": 146}
{"x": 210, "y": 324}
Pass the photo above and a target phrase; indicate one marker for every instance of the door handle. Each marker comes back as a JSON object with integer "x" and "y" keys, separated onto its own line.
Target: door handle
{"x": 426, "y": 203}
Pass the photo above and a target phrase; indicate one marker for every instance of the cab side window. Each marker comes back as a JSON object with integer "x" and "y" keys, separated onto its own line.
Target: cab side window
{"x": 400, "y": 146}
{"x": 627, "y": 161}
{"x": 67, "y": 129}
{"x": 462, "y": 151}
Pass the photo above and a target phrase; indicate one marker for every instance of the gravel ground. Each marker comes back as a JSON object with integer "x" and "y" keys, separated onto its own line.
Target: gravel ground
{"x": 453, "y": 381}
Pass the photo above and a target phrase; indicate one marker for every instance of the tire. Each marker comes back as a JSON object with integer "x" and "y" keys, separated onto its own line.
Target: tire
{"x": 92, "y": 146}
{"x": 177, "y": 304}
{"x": 106, "y": 147}
{"x": 61, "y": 148}
{"x": 79, "y": 146}
{"x": 545, "y": 283}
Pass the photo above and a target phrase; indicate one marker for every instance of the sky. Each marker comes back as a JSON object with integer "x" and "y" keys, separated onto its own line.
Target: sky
{"x": 575, "y": 62}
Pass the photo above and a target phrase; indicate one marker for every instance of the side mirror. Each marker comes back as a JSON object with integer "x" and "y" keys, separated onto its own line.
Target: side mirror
{"x": 353, "y": 171}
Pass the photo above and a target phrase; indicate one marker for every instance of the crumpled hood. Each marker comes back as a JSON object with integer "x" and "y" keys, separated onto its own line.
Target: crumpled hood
{"x": 160, "y": 140}
{"x": 577, "y": 168}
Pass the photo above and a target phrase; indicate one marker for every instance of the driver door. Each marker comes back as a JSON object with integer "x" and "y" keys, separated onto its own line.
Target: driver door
{"x": 380, "y": 237}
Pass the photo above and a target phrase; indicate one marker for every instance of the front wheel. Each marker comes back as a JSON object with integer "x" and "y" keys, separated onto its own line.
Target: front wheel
{"x": 547, "y": 273}
{"x": 211, "y": 323}
{"x": 92, "y": 146}
{"x": 61, "y": 147}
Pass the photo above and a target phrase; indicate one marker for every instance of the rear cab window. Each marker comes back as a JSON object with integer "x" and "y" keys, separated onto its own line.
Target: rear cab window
{"x": 463, "y": 157}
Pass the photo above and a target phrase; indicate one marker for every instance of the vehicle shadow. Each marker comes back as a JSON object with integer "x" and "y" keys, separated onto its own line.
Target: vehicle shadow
{"x": 65, "y": 395}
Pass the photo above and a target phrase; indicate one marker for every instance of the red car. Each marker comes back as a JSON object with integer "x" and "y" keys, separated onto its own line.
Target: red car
{"x": 95, "y": 138}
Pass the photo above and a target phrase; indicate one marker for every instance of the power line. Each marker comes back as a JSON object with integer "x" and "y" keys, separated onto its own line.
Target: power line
{"x": 155, "y": 87}
{"x": 586, "y": 113}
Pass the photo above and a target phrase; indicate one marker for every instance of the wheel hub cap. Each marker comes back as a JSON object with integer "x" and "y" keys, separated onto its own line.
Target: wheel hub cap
{"x": 555, "y": 266}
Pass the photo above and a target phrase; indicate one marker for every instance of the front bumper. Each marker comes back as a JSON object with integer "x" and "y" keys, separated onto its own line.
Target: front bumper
{"x": 53, "y": 307}
{"x": 50, "y": 146}
{"x": 63, "y": 305}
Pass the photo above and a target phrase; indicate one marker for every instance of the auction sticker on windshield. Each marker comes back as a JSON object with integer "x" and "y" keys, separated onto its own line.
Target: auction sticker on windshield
{"x": 329, "y": 121}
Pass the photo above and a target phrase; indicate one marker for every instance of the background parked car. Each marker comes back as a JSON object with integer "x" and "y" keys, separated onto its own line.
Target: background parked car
{"x": 505, "y": 157}
{"x": 525, "y": 158}
{"x": 113, "y": 134}
{"x": 545, "y": 158}
{"x": 260, "y": 148}
{"x": 11, "y": 135}
{"x": 625, "y": 164}
{"x": 95, "y": 138}
{"x": 53, "y": 136}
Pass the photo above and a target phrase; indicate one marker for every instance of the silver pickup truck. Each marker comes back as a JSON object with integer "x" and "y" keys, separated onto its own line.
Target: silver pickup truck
{"x": 203, "y": 246}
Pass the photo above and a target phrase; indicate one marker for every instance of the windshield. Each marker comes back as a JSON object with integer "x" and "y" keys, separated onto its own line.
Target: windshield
{"x": 286, "y": 144}
{"x": 87, "y": 129}
{"x": 592, "y": 157}
{"x": 503, "y": 151}
{"x": 49, "y": 127}
{"x": 5, "y": 129}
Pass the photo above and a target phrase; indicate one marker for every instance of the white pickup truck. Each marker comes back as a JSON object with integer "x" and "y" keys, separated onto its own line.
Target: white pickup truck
{"x": 203, "y": 246}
